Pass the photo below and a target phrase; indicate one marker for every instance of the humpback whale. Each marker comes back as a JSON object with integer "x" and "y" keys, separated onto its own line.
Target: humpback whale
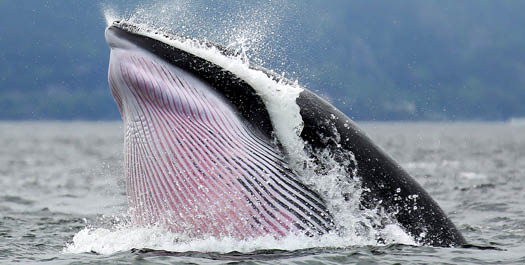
{"x": 202, "y": 155}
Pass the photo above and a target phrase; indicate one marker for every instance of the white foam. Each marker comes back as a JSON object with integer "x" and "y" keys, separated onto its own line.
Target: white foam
{"x": 126, "y": 237}
{"x": 472, "y": 175}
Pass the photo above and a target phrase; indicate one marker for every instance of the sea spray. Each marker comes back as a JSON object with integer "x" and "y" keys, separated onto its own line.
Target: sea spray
{"x": 339, "y": 188}
{"x": 125, "y": 237}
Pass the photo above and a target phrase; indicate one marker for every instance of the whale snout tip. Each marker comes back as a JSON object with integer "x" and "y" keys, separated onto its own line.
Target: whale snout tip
{"x": 119, "y": 34}
{"x": 111, "y": 34}
{"x": 108, "y": 35}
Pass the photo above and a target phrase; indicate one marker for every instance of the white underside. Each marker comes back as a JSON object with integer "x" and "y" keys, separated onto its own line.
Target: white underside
{"x": 192, "y": 164}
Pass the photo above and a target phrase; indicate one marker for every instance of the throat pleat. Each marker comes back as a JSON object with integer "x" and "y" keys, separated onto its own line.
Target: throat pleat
{"x": 193, "y": 164}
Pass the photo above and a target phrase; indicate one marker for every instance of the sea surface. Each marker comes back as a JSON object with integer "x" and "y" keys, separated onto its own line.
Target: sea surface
{"x": 60, "y": 181}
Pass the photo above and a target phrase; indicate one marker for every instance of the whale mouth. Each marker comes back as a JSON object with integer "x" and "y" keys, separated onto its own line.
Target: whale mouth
{"x": 214, "y": 147}
{"x": 193, "y": 161}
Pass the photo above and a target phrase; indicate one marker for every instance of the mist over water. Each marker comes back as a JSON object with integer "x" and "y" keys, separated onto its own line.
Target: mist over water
{"x": 416, "y": 60}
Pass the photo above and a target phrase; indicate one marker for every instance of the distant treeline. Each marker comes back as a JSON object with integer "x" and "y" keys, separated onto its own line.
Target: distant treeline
{"x": 376, "y": 60}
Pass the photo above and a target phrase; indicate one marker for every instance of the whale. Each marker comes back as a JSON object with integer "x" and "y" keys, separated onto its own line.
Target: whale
{"x": 202, "y": 156}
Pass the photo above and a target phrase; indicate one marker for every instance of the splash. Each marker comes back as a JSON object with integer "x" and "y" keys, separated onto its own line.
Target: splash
{"x": 248, "y": 29}
{"x": 123, "y": 236}
{"x": 245, "y": 26}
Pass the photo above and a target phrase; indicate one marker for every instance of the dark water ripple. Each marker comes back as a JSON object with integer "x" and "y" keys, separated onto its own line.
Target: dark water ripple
{"x": 58, "y": 177}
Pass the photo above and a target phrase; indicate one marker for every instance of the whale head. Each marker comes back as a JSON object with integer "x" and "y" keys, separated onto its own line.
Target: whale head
{"x": 202, "y": 158}
{"x": 199, "y": 157}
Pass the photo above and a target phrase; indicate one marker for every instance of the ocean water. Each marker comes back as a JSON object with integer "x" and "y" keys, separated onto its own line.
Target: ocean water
{"x": 62, "y": 199}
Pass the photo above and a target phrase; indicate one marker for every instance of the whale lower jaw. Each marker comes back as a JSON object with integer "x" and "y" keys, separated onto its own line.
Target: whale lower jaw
{"x": 194, "y": 165}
